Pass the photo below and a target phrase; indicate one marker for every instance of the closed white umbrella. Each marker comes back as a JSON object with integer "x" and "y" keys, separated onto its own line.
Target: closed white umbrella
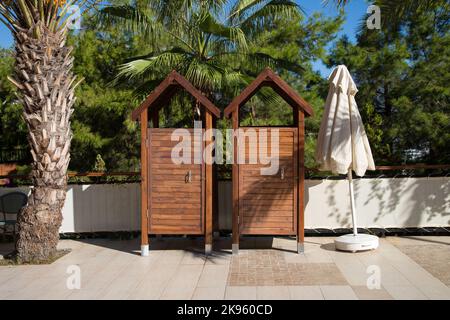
{"x": 343, "y": 146}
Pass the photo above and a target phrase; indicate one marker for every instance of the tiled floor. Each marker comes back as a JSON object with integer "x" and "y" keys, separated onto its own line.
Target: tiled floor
{"x": 262, "y": 267}
{"x": 266, "y": 268}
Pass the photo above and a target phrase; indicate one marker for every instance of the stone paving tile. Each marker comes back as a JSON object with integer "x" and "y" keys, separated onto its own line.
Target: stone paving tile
{"x": 411, "y": 268}
{"x": 240, "y": 293}
{"x": 405, "y": 293}
{"x": 364, "y": 293}
{"x": 210, "y": 293}
{"x": 270, "y": 268}
{"x": 338, "y": 293}
{"x": 433, "y": 256}
{"x": 305, "y": 293}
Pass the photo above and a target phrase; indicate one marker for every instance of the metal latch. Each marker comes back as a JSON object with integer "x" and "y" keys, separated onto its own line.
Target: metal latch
{"x": 188, "y": 178}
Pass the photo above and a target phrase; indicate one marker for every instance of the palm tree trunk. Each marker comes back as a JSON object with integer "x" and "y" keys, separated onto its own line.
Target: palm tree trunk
{"x": 46, "y": 85}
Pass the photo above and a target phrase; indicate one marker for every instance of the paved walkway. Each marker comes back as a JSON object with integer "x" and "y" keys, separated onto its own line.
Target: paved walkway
{"x": 266, "y": 268}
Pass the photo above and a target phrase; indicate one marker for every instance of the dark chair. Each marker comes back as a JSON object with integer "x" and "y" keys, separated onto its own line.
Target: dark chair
{"x": 10, "y": 206}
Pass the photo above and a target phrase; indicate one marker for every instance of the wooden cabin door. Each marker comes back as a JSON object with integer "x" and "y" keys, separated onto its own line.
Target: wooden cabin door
{"x": 176, "y": 191}
{"x": 268, "y": 203}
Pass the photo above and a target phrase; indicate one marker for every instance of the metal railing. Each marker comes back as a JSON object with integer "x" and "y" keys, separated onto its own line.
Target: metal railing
{"x": 310, "y": 173}
{"x": 14, "y": 155}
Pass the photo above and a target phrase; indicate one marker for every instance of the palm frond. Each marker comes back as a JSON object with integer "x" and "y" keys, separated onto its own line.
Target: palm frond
{"x": 210, "y": 25}
{"x": 20, "y": 15}
{"x": 151, "y": 64}
{"x": 131, "y": 18}
{"x": 260, "y": 19}
{"x": 241, "y": 6}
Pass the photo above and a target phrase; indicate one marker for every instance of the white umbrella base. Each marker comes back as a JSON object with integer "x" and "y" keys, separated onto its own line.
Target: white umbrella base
{"x": 354, "y": 243}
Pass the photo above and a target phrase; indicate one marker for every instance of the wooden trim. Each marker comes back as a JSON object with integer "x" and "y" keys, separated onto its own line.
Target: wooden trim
{"x": 144, "y": 177}
{"x": 296, "y": 165}
{"x": 215, "y": 191}
{"x": 269, "y": 78}
{"x": 235, "y": 177}
{"x": 166, "y": 89}
{"x": 301, "y": 178}
{"x": 154, "y": 95}
{"x": 203, "y": 185}
{"x": 149, "y": 180}
{"x": 208, "y": 180}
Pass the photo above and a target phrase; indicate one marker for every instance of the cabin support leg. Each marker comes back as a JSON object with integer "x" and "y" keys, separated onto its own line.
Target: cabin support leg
{"x": 144, "y": 185}
{"x": 209, "y": 184}
{"x": 144, "y": 250}
{"x": 301, "y": 183}
{"x": 300, "y": 247}
{"x": 235, "y": 178}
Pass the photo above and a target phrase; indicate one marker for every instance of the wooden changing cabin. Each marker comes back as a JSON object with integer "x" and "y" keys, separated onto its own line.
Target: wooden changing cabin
{"x": 270, "y": 204}
{"x": 176, "y": 199}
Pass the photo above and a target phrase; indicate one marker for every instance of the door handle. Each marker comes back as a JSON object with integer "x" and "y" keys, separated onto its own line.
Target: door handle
{"x": 188, "y": 177}
{"x": 282, "y": 173}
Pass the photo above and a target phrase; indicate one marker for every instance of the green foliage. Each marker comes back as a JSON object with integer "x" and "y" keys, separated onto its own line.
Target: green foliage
{"x": 403, "y": 75}
{"x": 12, "y": 128}
{"x": 99, "y": 165}
{"x": 298, "y": 41}
{"x": 206, "y": 41}
{"x": 101, "y": 122}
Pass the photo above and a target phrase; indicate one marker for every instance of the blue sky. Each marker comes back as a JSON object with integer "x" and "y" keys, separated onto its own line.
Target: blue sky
{"x": 354, "y": 12}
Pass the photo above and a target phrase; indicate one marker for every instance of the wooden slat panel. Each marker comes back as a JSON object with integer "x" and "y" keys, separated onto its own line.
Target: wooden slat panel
{"x": 168, "y": 143}
{"x": 175, "y": 216}
{"x": 190, "y": 230}
{"x": 176, "y": 204}
{"x": 256, "y": 196}
{"x": 259, "y": 219}
{"x": 163, "y": 166}
{"x": 175, "y": 211}
{"x": 176, "y": 222}
{"x": 263, "y": 186}
{"x": 176, "y": 189}
{"x": 172, "y": 177}
{"x": 266, "y": 202}
{"x": 178, "y": 200}
{"x": 251, "y": 223}
{"x": 267, "y": 231}
{"x": 266, "y": 212}
{"x": 175, "y": 171}
{"x": 262, "y": 202}
{"x": 266, "y": 207}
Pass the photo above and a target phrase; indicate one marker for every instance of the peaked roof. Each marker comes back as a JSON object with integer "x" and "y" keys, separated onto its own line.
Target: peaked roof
{"x": 271, "y": 79}
{"x": 167, "y": 89}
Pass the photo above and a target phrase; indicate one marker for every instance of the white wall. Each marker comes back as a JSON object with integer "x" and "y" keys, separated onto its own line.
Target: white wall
{"x": 99, "y": 207}
{"x": 400, "y": 202}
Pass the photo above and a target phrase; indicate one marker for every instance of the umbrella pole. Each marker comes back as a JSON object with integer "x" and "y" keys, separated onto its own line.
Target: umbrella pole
{"x": 352, "y": 200}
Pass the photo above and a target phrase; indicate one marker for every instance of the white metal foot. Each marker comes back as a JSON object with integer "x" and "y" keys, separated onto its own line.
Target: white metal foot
{"x": 300, "y": 247}
{"x": 144, "y": 250}
{"x": 235, "y": 248}
{"x": 208, "y": 249}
